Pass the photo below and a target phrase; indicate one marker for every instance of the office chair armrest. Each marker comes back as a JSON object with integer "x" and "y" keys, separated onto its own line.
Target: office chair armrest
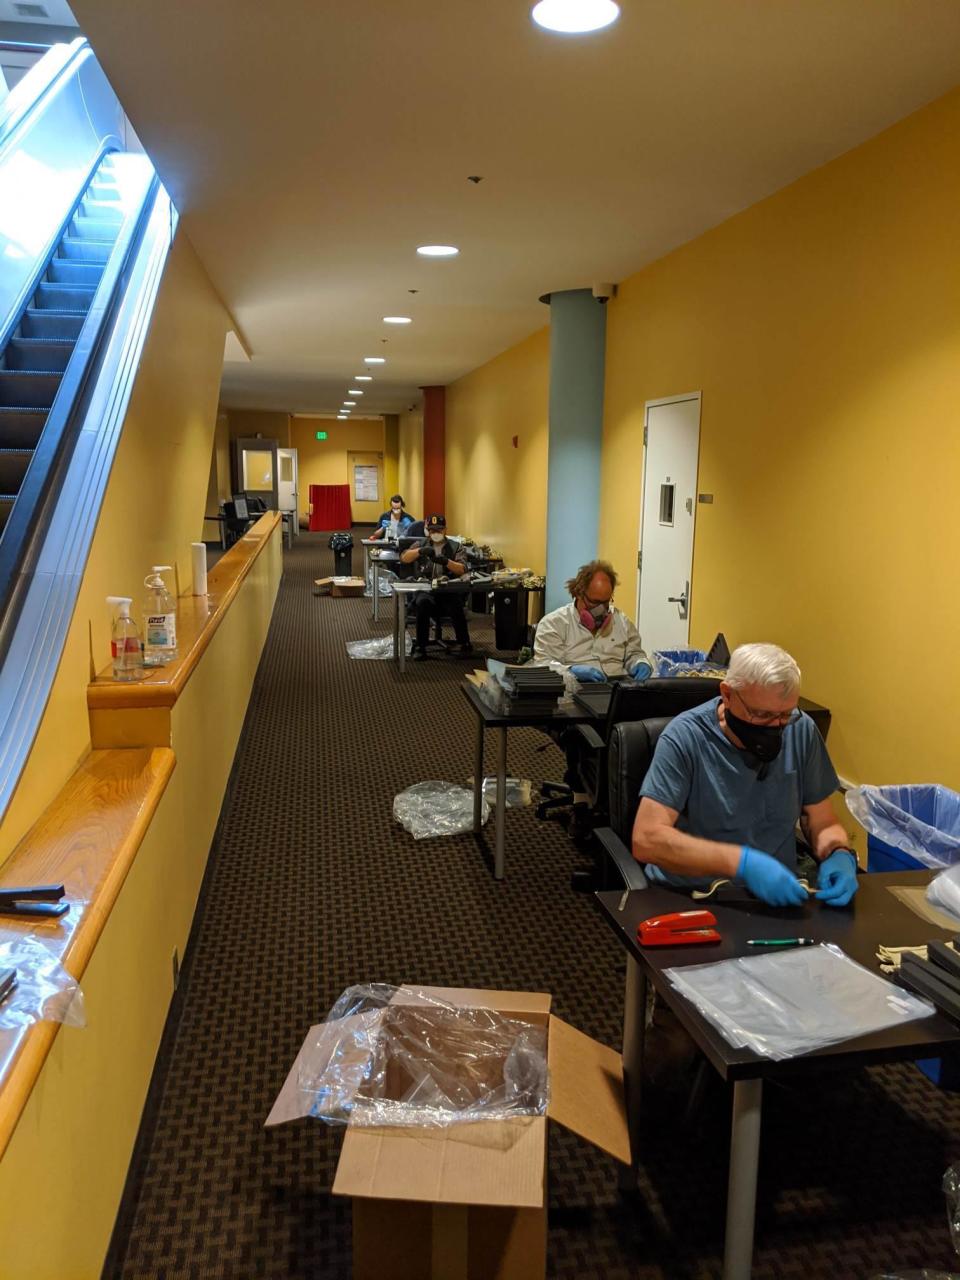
{"x": 590, "y": 737}
{"x": 627, "y": 867}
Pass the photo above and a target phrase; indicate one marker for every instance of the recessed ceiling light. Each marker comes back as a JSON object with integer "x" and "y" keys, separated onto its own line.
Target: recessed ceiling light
{"x": 573, "y": 17}
{"x": 374, "y": 360}
{"x": 363, "y": 377}
{"x": 342, "y": 417}
{"x": 438, "y": 251}
{"x": 354, "y": 392}
{"x": 397, "y": 320}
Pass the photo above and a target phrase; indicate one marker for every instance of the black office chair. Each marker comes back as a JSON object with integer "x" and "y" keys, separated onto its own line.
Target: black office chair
{"x": 629, "y": 754}
{"x": 628, "y": 701}
{"x": 256, "y": 505}
{"x": 237, "y": 519}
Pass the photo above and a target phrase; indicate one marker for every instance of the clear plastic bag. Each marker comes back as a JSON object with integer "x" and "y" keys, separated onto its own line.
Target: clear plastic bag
{"x": 45, "y": 992}
{"x": 381, "y": 647}
{"x": 923, "y": 821}
{"x": 437, "y": 809}
{"x": 796, "y": 1000}
{"x": 519, "y": 791}
{"x": 943, "y": 891}
{"x": 384, "y": 577}
{"x": 685, "y": 662}
{"x": 391, "y": 1056}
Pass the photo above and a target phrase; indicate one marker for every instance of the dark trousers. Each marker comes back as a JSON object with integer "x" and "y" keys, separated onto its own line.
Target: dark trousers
{"x": 441, "y": 606}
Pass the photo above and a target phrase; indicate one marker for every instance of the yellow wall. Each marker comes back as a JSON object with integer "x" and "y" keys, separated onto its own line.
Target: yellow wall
{"x": 152, "y": 511}
{"x": 325, "y": 461}
{"x": 410, "y": 461}
{"x": 72, "y": 1146}
{"x": 272, "y": 425}
{"x": 497, "y": 493}
{"x": 391, "y": 454}
{"x": 823, "y": 328}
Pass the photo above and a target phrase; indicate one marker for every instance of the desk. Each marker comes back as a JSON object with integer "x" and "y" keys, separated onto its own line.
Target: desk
{"x": 488, "y": 718}
{"x": 401, "y": 590}
{"x": 874, "y": 916}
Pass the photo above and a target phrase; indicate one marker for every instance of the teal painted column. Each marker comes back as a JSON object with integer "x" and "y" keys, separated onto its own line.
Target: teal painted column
{"x": 578, "y": 333}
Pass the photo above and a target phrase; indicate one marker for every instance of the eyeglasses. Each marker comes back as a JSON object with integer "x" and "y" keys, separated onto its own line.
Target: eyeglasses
{"x": 770, "y": 717}
{"x": 595, "y": 604}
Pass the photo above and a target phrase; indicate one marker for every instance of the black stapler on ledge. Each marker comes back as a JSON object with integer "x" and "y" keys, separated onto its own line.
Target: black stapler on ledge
{"x": 33, "y": 900}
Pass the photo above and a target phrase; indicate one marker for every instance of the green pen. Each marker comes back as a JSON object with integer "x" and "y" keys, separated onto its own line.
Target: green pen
{"x": 781, "y": 942}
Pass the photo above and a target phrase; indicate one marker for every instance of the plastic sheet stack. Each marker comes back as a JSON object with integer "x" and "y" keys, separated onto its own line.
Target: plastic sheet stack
{"x": 531, "y": 690}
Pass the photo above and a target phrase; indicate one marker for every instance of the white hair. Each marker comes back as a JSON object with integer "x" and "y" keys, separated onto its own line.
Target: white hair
{"x": 763, "y": 664}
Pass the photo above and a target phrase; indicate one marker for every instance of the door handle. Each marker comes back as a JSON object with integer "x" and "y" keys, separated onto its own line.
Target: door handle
{"x": 682, "y": 600}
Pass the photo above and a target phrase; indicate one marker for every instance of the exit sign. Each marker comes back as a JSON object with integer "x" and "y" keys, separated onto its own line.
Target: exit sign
{"x": 321, "y": 435}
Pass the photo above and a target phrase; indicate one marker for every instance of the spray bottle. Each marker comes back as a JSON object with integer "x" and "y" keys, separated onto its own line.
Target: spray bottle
{"x": 124, "y": 641}
{"x": 159, "y": 619}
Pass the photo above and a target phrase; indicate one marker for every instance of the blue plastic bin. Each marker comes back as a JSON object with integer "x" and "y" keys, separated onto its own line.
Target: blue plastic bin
{"x": 884, "y": 857}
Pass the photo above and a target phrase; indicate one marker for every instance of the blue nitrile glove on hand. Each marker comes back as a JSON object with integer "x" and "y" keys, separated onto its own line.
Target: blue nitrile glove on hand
{"x": 640, "y": 671}
{"x": 837, "y": 878}
{"x": 769, "y": 880}
{"x": 588, "y": 675}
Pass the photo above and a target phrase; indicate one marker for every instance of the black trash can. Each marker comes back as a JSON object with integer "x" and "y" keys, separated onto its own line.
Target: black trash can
{"x": 341, "y": 544}
{"x": 510, "y": 617}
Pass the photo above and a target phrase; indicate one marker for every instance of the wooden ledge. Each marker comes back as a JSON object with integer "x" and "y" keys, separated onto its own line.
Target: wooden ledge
{"x": 88, "y": 839}
{"x": 197, "y": 620}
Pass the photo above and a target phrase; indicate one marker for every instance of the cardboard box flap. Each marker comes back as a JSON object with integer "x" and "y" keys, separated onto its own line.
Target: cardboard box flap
{"x": 492, "y": 1163}
{"x": 321, "y": 1042}
{"x": 511, "y": 1003}
{"x": 586, "y": 1089}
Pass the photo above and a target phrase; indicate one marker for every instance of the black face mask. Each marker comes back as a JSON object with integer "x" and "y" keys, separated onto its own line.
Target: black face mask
{"x": 761, "y": 740}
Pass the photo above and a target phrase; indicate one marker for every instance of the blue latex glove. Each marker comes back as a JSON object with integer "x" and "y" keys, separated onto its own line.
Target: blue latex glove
{"x": 837, "y": 878}
{"x": 769, "y": 880}
{"x": 588, "y": 675}
{"x": 641, "y": 670}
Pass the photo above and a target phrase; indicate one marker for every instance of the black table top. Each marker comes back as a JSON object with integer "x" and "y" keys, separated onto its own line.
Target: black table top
{"x": 559, "y": 716}
{"x": 875, "y": 916}
{"x": 597, "y": 697}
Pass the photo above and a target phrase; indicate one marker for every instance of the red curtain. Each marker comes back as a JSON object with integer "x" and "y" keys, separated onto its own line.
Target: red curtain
{"x": 329, "y": 507}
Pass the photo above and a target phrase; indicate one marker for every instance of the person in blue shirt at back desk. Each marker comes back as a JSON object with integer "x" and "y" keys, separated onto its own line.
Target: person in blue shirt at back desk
{"x": 729, "y": 782}
{"x": 393, "y": 524}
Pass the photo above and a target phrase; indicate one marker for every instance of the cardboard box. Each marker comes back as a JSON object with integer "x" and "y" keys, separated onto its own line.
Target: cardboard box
{"x": 322, "y": 586}
{"x": 468, "y": 1202}
{"x": 347, "y": 587}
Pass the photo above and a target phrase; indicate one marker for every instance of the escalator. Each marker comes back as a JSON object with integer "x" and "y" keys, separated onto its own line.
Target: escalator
{"x": 36, "y": 355}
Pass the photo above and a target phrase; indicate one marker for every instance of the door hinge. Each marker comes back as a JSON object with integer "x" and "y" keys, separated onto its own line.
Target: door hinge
{"x": 639, "y": 559}
{"x": 646, "y": 432}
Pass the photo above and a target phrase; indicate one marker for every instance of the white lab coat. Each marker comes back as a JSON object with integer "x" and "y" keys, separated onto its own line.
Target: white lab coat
{"x": 562, "y": 637}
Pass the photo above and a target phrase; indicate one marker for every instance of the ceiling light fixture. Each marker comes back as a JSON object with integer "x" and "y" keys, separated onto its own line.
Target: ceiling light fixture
{"x": 354, "y": 391}
{"x": 438, "y": 251}
{"x": 342, "y": 417}
{"x": 397, "y": 320}
{"x": 363, "y": 377}
{"x": 374, "y": 360}
{"x": 575, "y": 17}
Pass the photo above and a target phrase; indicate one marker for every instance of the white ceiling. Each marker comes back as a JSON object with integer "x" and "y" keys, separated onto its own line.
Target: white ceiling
{"x": 311, "y": 146}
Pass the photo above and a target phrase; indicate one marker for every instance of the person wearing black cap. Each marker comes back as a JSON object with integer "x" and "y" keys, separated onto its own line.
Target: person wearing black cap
{"x": 437, "y": 557}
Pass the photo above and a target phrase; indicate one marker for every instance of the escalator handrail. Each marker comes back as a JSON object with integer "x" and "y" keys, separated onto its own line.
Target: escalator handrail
{"x": 38, "y": 84}
{"x": 17, "y": 546}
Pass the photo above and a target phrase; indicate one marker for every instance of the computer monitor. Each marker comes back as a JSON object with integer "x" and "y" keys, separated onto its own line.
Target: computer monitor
{"x": 240, "y": 509}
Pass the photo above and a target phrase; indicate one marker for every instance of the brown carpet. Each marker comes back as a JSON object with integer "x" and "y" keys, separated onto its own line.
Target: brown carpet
{"x": 311, "y": 887}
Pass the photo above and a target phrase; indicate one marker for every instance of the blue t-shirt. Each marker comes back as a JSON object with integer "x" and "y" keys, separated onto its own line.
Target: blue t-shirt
{"x": 698, "y": 771}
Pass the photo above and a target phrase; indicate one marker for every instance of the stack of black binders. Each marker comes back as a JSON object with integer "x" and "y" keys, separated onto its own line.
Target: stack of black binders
{"x": 531, "y": 691}
{"x": 937, "y": 977}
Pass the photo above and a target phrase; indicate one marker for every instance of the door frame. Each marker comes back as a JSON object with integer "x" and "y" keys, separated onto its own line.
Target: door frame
{"x": 255, "y": 444}
{"x": 647, "y": 406}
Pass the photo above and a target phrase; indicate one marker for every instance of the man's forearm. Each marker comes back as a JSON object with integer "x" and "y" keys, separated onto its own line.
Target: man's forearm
{"x": 685, "y": 855}
{"x": 829, "y": 838}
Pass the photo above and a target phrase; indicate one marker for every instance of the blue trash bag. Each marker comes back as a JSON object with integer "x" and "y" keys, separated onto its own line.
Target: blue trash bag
{"x": 684, "y": 662}
{"x": 921, "y": 820}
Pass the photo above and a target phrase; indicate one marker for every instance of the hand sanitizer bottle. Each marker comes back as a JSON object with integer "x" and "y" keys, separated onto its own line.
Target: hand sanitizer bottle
{"x": 159, "y": 620}
{"x": 124, "y": 641}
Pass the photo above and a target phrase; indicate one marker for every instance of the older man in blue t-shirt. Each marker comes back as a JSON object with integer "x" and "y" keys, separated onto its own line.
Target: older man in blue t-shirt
{"x": 730, "y": 780}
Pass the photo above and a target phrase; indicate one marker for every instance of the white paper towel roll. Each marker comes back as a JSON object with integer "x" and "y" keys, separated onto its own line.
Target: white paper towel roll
{"x": 199, "y": 555}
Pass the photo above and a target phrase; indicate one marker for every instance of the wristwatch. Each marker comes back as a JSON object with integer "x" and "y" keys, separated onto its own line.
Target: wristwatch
{"x": 845, "y": 848}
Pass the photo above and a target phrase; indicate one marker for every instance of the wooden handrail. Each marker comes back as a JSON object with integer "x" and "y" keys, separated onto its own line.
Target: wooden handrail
{"x": 88, "y": 839}
{"x": 198, "y": 618}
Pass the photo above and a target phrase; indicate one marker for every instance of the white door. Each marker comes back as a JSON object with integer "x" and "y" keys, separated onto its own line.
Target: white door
{"x": 287, "y": 479}
{"x": 665, "y": 564}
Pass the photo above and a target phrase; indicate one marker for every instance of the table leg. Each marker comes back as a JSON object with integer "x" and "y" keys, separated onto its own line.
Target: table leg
{"x": 396, "y": 627}
{"x": 478, "y": 776}
{"x": 402, "y": 638}
{"x": 742, "y": 1184}
{"x": 376, "y": 590}
{"x": 501, "y": 803}
{"x": 634, "y": 1031}
{"x": 223, "y": 535}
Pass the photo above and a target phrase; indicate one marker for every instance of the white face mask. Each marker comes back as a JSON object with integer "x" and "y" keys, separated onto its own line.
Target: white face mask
{"x": 437, "y": 537}
{"x": 394, "y": 513}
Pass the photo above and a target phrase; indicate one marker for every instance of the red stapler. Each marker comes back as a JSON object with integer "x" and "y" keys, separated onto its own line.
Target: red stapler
{"x": 678, "y": 929}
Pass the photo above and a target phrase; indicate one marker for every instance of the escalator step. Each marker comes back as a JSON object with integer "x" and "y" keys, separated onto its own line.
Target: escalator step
{"x": 98, "y": 190}
{"x": 102, "y": 210}
{"x": 38, "y": 353}
{"x": 61, "y": 271}
{"x": 51, "y": 323}
{"x": 63, "y": 297}
{"x": 21, "y": 428}
{"x": 78, "y": 250}
{"x": 94, "y": 228}
{"x": 13, "y": 467}
{"x": 28, "y": 388}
